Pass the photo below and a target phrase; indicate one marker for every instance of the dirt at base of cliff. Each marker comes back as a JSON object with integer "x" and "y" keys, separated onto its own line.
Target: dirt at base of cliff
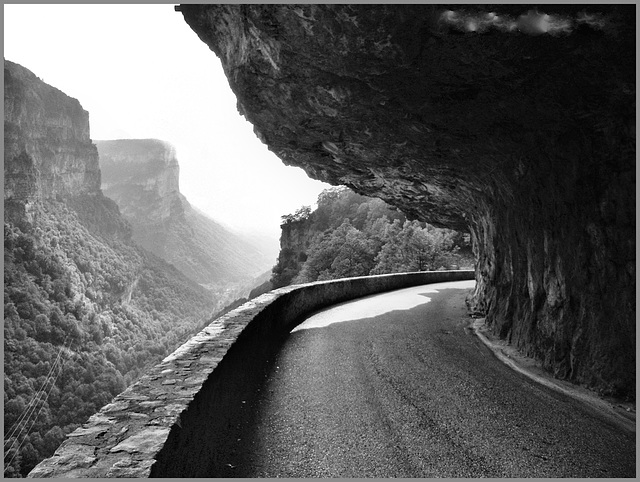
{"x": 621, "y": 412}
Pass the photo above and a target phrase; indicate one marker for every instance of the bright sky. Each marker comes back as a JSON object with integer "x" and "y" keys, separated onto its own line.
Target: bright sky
{"x": 141, "y": 72}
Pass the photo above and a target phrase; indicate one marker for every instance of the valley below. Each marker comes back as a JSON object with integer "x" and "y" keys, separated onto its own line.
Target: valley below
{"x": 96, "y": 290}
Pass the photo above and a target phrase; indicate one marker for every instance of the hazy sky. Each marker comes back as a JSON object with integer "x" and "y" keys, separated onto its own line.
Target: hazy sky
{"x": 141, "y": 72}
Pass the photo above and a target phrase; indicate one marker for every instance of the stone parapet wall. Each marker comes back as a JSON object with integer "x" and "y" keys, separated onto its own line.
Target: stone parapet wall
{"x": 165, "y": 424}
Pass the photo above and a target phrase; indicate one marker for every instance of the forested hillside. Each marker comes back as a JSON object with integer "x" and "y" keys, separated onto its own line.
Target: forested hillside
{"x": 86, "y": 311}
{"x": 85, "y": 315}
{"x": 353, "y": 235}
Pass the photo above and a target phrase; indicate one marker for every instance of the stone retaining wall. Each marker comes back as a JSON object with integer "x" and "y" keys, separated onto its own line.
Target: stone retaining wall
{"x": 165, "y": 424}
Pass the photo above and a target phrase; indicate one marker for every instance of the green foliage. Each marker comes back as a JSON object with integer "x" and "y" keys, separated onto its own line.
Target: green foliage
{"x": 339, "y": 253}
{"x": 352, "y": 235}
{"x": 417, "y": 247}
{"x": 300, "y": 215}
{"x": 78, "y": 291}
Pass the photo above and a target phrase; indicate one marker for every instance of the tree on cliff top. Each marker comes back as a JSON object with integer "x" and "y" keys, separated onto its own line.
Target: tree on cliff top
{"x": 300, "y": 215}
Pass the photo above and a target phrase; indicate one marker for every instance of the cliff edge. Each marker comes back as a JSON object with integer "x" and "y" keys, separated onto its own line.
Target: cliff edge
{"x": 48, "y": 149}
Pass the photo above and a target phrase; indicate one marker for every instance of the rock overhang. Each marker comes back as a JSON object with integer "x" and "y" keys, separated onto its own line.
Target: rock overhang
{"x": 362, "y": 94}
{"x": 515, "y": 122}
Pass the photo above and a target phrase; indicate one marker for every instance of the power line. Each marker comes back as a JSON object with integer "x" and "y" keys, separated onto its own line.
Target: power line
{"x": 27, "y": 414}
{"x": 24, "y": 439}
{"x": 34, "y": 400}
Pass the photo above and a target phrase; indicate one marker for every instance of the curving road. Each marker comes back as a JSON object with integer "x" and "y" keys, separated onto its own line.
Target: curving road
{"x": 395, "y": 385}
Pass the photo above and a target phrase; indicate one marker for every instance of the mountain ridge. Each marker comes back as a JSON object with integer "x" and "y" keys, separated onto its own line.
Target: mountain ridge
{"x": 142, "y": 176}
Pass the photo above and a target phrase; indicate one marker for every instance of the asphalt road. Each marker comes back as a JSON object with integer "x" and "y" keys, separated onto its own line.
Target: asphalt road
{"x": 397, "y": 386}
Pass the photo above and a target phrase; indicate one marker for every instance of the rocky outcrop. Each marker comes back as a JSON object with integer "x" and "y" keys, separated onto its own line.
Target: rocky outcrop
{"x": 517, "y": 126}
{"x": 47, "y": 146}
{"x": 142, "y": 176}
{"x": 295, "y": 239}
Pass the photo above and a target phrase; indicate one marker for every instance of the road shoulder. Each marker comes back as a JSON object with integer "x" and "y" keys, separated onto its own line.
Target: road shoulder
{"x": 622, "y": 414}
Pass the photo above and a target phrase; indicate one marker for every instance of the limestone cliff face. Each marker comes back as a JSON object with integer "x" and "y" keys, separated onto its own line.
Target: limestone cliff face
{"x": 523, "y": 135}
{"x": 295, "y": 239}
{"x": 47, "y": 146}
{"x": 142, "y": 176}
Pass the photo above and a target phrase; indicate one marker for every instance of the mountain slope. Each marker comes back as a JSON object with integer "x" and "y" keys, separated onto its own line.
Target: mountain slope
{"x": 141, "y": 175}
{"x": 85, "y": 309}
